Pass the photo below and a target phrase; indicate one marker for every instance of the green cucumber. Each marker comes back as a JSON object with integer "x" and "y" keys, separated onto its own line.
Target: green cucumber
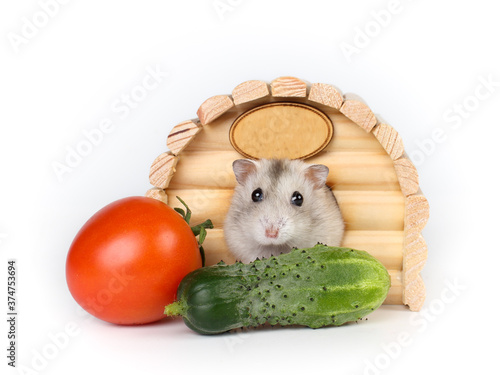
{"x": 315, "y": 287}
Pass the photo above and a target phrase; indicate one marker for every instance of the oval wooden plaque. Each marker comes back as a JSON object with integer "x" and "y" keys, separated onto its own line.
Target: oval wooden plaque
{"x": 281, "y": 130}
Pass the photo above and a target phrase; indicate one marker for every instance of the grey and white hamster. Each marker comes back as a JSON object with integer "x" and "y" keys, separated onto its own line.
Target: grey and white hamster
{"x": 279, "y": 204}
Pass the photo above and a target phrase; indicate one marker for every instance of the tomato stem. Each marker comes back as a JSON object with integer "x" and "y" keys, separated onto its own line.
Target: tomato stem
{"x": 187, "y": 214}
{"x": 198, "y": 230}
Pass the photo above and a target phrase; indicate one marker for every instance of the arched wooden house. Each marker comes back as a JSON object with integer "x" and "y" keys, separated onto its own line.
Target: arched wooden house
{"x": 375, "y": 183}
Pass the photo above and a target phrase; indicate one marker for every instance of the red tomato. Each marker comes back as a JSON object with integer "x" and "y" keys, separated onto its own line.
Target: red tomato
{"x": 127, "y": 261}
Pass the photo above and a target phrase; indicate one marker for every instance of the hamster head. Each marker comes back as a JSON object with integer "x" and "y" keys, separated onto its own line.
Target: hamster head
{"x": 279, "y": 204}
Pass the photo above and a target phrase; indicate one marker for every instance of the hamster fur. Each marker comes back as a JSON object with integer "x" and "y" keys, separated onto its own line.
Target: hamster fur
{"x": 279, "y": 204}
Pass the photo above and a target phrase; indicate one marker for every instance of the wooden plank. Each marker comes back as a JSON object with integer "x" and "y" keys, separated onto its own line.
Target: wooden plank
{"x": 162, "y": 170}
{"x": 414, "y": 293}
{"x": 326, "y": 94}
{"x": 362, "y": 210}
{"x": 386, "y": 246}
{"x": 181, "y": 135}
{"x": 371, "y": 210}
{"x": 214, "y": 107}
{"x": 157, "y": 193}
{"x": 407, "y": 175}
{"x": 395, "y": 296}
{"x": 348, "y": 170}
{"x": 415, "y": 250}
{"x": 347, "y": 135}
{"x": 358, "y": 171}
{"x": 288, "y": 87}
{"x": 415, "y": 256}
{"x": 416, "y": 214}
{"x": 248, "y": 91}
{"x": 356, "y": 109}
{"x": 390, "y": 140}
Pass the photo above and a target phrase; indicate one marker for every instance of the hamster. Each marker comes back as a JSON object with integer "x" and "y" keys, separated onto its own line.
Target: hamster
{"x": 279, "y": 204}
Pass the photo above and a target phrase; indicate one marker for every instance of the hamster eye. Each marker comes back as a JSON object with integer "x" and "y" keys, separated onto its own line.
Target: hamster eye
{"x": 297, "y": 199}
{"x": 257, "y": 195}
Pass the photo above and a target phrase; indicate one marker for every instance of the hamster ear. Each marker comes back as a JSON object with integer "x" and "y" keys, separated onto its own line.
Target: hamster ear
{"x": 317, "y": 174}
{"x": 242, "y": 169}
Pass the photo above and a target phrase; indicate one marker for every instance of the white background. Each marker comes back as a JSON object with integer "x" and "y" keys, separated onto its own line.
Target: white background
{"x": 422, "y": 65}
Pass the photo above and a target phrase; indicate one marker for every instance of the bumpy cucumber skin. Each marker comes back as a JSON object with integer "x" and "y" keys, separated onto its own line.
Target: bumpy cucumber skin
{"x": 316, "y": 287}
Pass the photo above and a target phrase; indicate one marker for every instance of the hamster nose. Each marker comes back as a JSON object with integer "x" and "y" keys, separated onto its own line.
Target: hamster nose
{"x": 272, "y": 232}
